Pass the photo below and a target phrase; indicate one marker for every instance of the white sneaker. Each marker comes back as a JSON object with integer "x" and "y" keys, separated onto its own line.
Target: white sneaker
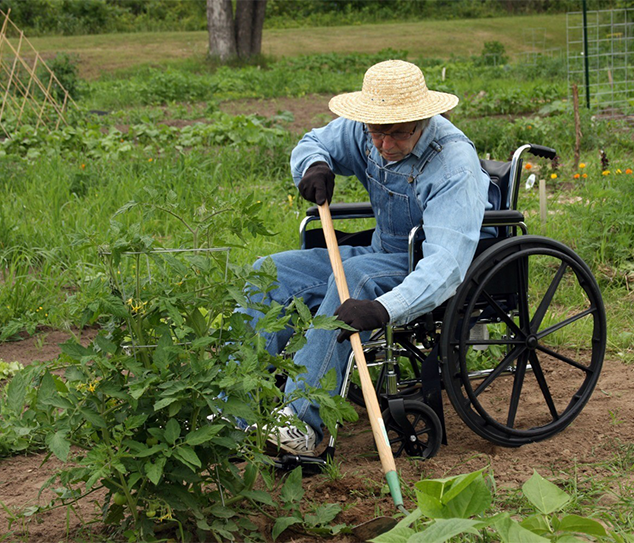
{"x": 290, "y": 438}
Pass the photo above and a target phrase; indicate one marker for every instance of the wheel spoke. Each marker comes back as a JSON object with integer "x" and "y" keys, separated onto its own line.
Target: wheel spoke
{"x": 522, "y": 297}
{"x": 538, "y": 317}
{"x": 547, "y": 331}
{"x": 563, "y": 358}
{"x": 500, "y": 368}
{"x": 543, "y": 385}
{"x": 518, "y": 383}
{"x": 502, "y": 314}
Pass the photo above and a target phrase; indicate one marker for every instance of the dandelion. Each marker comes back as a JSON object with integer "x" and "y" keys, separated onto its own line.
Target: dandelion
{"x": 528, "y": 166}
{"x": 618, "y": 171}
{"x": 582, "y": 165}
{"x": 553, "y": 176}
{"x": 605, "y": 172}
{"x": 290, "y": 200}
{"x": 584, "y": 175}
{"x": 150, "y": 159}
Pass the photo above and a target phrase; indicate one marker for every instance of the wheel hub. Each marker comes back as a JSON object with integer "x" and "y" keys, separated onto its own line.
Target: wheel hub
{"x": 532, "y": 342}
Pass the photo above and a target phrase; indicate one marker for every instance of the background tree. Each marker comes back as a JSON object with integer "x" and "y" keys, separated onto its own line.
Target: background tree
{"x": 238, "y": 34}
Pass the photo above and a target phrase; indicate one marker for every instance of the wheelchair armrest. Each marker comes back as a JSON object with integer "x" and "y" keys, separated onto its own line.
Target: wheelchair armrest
{"x": 503, "y": 217}
{"x": 359, "y": 210}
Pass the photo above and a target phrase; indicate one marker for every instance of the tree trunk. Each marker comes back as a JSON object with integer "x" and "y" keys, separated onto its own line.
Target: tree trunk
{"x": 222, "y": 39}
{"x": 242, "y": 37}
{"x": 244, "y": 27}
{"x": 258, "y": 25}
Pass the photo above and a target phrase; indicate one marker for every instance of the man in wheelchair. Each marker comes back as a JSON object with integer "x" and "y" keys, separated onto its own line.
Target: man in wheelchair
{"x": 417, "y": 167}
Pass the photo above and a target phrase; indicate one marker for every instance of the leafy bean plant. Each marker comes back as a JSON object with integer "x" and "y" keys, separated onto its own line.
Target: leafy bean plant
{"x": 455, "y": 507}
{"x": 150, "y": 412}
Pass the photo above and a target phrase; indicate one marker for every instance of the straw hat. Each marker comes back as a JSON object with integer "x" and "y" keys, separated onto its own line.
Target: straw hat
{"x": 393, "y": 91}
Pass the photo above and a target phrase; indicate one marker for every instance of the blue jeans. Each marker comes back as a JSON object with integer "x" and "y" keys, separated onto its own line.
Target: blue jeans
{"x": 307, "y": 274}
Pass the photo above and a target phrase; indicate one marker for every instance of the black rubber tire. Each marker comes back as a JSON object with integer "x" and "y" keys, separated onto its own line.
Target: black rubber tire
{"x": 543, "y": 302}
{"x": 427, "y": 437}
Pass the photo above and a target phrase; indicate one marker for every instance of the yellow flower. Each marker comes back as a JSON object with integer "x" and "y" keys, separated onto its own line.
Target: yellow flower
{"x": 584, "y": 175}
{"x": 618, "y": 171}
{"x": 91, "y": 387}
{"x": 553, "y": 176}
{"x": 150, "y": 159}
{"x": 582, "y": 165}
{"x": 605, "y": 172}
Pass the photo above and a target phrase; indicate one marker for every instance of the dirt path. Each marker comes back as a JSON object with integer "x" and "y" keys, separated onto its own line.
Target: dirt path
{"x": 594, "y": 437}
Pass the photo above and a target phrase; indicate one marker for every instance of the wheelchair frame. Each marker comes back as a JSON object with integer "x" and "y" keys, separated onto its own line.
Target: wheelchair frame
{"x": 481, "y": 345}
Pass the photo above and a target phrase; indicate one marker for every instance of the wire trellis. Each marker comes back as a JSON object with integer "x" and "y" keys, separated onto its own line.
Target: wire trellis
{"x": 610, "y": 53}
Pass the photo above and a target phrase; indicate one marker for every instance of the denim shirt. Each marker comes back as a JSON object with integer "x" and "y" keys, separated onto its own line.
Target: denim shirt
{"x": 439, "y": 184}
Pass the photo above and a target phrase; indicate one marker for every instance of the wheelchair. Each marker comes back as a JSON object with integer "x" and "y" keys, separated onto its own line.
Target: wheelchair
{"x": 517, "y": 349}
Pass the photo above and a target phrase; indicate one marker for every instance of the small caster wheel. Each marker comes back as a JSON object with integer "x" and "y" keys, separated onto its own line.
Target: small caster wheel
{"x": 423, "y": 437}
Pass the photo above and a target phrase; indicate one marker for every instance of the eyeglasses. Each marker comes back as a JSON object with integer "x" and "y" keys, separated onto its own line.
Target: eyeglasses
{"x": 396, "y": 136}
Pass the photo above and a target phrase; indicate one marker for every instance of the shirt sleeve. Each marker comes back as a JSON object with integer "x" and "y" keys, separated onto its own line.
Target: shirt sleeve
{"x": 453, "y": 209}
{"x": 339, "y": 144}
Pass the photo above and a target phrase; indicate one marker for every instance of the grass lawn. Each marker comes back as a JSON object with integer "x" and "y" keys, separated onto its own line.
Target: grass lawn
{"x": 424, "y": 39}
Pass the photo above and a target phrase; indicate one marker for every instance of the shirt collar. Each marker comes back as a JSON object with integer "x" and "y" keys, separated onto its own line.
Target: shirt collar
{"x": 425, "y": 139}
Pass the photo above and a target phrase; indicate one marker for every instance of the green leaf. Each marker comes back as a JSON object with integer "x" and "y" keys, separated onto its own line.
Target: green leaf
{"x": 511, "y": 532}
{"x": 281, "y": 524}
{"x": 536, "y": 523}
{"x": 259, "y": 496}
{"x": 222, "y": 512}
{"x": 398, "y": 534}
{"x": 544, "y": 495}
{"x": 93, "y": 417}
{"x": 188, "y": 457}
{"x": 16, "y": 390}
{"x": 164, "y": 402}
{"x": 58, "y": 445}
{"x": 323, "y": 515}
{"x": 172, "y": 431}
{"x": 74, "y": 350}
{"x": 47, "y": 393}
{"x": 272, "y": 321}
{"x": 575, "y": 523}
{"x": 105, "y": 344}
{"x": 154, "y": 470}
{"x": 202, "y": 435}
{"x": 292, "y": 491}
{"x": 443, "y": 529}
{"x": 472, "y": 499}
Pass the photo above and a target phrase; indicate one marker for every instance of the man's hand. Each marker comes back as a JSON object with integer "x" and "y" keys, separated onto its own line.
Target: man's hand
{"x": 318, "y": 183}
{"x": 362, "y": 315}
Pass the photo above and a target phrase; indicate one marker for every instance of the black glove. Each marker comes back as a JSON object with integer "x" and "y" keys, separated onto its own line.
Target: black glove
{"x": 362, "y": 315}
{"x": 318, "y": 183}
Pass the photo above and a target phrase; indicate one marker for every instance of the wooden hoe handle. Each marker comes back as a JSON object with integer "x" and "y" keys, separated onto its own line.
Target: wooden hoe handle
{"x": 367, "y": 387}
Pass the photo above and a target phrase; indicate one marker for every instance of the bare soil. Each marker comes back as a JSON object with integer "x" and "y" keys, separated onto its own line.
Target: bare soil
{"x": 593, "y": 438}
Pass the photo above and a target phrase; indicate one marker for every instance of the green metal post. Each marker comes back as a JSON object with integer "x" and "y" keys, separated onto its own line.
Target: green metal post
{"x": 586, "y": 60}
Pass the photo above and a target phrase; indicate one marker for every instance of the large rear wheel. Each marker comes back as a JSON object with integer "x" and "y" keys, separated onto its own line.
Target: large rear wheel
{"x": 523, "y": 341}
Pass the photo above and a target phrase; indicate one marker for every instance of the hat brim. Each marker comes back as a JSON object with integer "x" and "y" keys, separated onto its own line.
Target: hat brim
{"x": 357, "y": 107}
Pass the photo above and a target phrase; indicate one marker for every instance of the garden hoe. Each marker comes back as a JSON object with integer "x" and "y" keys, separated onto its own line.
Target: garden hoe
{"x": 378, "y": 525}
